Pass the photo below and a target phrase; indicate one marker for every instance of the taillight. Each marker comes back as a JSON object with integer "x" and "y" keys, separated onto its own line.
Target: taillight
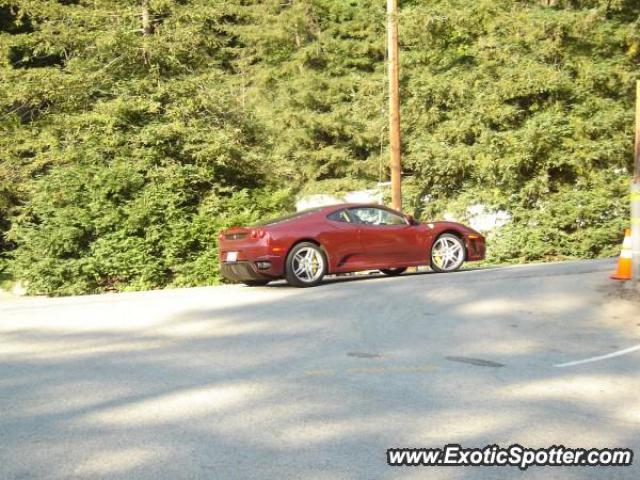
{"x": 257, "y": 233}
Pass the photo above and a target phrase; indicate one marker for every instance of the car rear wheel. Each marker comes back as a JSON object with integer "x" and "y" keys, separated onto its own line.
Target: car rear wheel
{"x": 447, "y": 253}
{"x": 392, "y": 272}
{"x": 256, "y": 283}
{"x": 306, "y": 265}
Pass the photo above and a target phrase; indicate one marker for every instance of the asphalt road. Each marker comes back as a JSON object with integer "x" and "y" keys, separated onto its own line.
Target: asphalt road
{"x": 275, "y": 382}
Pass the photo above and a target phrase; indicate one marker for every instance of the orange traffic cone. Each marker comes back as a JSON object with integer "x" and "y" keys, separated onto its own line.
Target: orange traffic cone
{"x": 625, "y": 260}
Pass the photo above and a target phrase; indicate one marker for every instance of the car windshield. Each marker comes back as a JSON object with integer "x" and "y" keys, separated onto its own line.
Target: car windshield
{"x": 291, "y": 216}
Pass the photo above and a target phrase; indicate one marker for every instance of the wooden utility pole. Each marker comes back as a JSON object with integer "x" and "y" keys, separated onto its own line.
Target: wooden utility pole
{"x": 394, "y": 104}
{"x": 635, "y": 196}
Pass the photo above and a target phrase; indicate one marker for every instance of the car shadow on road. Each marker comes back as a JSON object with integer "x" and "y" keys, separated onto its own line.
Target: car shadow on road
{"x": 375, "y": 275}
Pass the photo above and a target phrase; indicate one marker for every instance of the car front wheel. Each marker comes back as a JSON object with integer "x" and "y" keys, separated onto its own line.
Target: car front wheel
{"x": 306, "y": 265}
{"x": 447, "y": 253}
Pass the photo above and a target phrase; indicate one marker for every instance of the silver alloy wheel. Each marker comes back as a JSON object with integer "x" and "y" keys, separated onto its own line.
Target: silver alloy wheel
{"x": 308, "y": 264}
{"x": 447, "y": 254}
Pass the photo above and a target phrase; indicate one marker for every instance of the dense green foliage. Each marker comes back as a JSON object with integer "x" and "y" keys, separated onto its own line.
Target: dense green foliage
{"x": 124, "y": 152}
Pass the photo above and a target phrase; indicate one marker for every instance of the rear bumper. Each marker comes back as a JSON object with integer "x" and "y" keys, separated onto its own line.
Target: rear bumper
{"x": 255, "y": 259}
{"x": 242, "y": 271}
{"x": 251, "y": 265}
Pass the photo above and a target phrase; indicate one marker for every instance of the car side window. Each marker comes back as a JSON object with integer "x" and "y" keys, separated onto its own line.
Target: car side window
{"x": 376, "y": 216}
{"x": 340, "y": 216}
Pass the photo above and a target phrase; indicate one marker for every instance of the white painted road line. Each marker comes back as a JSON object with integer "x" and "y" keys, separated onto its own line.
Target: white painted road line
{"x": 601, "y": 357}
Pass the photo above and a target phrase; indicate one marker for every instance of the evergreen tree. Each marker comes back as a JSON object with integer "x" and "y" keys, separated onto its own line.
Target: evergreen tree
{"x": 131, "y": 132}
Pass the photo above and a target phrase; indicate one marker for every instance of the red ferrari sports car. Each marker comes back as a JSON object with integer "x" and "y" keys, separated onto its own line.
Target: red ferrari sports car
{"x": 306, "y": 246}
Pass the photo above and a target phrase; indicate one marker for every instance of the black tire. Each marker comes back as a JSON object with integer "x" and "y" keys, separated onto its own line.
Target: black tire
{"x": 256, "y": 283}
{"x": 319, "y": 261}
{"x": 393, "y": 272}
{"x": 450, "y": 239}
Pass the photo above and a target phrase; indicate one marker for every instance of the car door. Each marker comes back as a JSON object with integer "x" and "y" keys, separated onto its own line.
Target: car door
{"x": 341, "y": 239}
{"x": 387, "y": 238}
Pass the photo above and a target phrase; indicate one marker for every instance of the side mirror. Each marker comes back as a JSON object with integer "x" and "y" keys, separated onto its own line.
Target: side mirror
{"x": 410, "y": 219}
